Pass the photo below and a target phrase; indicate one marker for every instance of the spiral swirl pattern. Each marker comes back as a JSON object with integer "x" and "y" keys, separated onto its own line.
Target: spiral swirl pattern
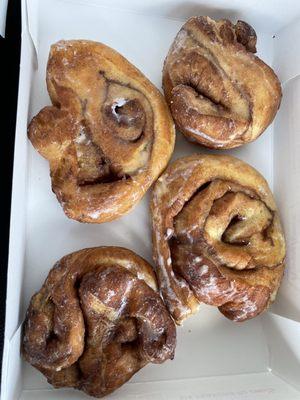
{"x": 107, "y": 136}
{"x": 97, "y": 320}
{"x": 220, "y": 94}
{"x": 217, "y": 237}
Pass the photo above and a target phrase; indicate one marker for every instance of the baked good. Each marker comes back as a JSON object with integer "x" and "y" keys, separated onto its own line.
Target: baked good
{"x": 108, "y": 135}
{"x": 217, "y": 237}
{"x": 220, "y": 94}
{"x": 97, "y": 320}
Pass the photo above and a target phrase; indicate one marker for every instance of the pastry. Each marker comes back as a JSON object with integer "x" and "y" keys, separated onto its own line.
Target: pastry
{"x": 97, "y": 320}
{"x": 217, "y": 237}
{"x": 108, "y": 134}
{"x": 220, "y": 94}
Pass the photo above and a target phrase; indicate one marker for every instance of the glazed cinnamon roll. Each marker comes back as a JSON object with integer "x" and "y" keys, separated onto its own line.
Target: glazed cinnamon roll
{"x": 97, "y": 320}
{"x": 217, "y": 237}
{"x": 108, "y": 135}
{"x": 220, "y": 94}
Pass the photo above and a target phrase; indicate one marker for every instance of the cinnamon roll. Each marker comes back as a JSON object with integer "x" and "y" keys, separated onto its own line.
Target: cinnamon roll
{"x": 220, "y": 94}
{"x": 108, "y": 135}
{"x": 97, "y": 320}
{"x": 217, "y": 237}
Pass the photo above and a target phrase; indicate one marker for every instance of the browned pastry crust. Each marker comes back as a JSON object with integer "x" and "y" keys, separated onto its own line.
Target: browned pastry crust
{"x": 97, "y": 320}
{"x": 217, "y": 237}
{"x": 108, "y": 135}
{"x": 221, "y": 95}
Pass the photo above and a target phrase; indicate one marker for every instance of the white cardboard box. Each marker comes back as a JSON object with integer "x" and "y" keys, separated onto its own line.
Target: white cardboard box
{"x": 215, "y": 358}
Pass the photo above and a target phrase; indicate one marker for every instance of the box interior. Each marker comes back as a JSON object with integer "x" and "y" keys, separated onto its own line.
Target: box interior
{"x": 215, "y": 358}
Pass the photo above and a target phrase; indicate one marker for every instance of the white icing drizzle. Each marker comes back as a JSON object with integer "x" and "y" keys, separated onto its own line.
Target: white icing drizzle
{"x": 209, "y": 284}
{"x": 82, "y": 138}
{"x": 160, "y": 261}
{"x": 110, "y": 295}
{"x": 62, "y": 45}
{"x": 198, "y": 259}
{"x": 94, "y": 214}
{"x": 203, "y": 270}
{"x": 248, "y": 307}
{"x": 124, "y": 298}
{"x": 118, "y": 103}
{"x": 141, "y": 276}
{"x": 189, "y": 237}
{"x": 218, "y": 143}
{"x": 169, "y": 233}
{"x": 179, "y": 41}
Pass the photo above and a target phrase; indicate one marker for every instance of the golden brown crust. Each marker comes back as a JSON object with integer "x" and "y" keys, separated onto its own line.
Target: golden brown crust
{"x": 97, "y": 320}
{"x": 108, "y": 135}
{"x": 217, "y": 237}
{"x": 220, "y": 94}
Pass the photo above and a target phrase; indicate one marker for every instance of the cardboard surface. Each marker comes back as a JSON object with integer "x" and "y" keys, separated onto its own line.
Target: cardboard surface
{"x": 264, "y": 386}
{"x": 212, "y": 352}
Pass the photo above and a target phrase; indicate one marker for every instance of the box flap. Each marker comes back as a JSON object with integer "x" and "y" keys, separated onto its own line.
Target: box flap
{"x": 284, "y": 346}
{"x": 263, "y": 386}
{"x": 287, "y": 52}
{"x": 287, "y": 194}
{"x": 31, "y": 14}
{"x": 12, "y": 381}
